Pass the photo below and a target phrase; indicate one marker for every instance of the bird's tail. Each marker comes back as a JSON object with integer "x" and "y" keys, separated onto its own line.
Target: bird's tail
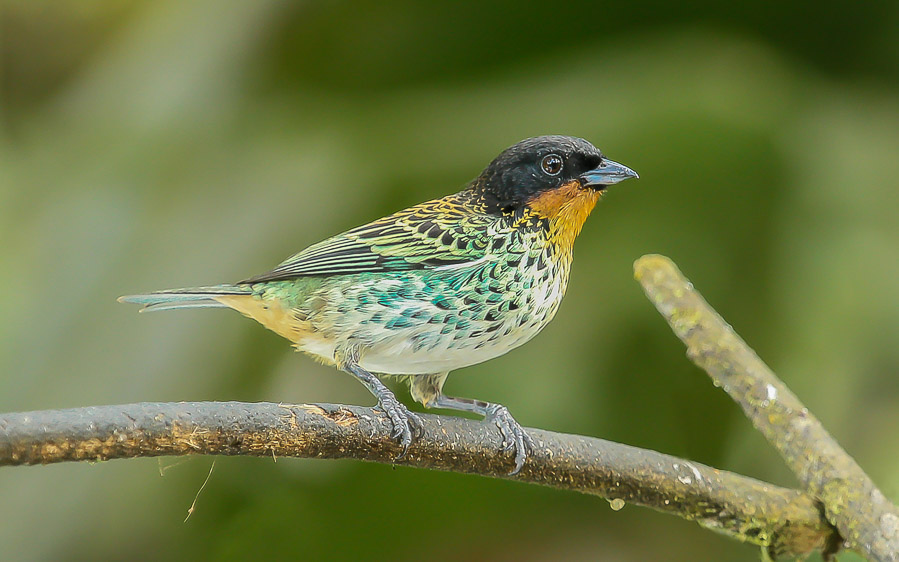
{"x": 191, "y": 297}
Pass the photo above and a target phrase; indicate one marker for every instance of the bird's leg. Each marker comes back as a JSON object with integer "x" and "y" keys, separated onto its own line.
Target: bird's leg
{"x": 515, "y": 439}
{"x": 405, "y": 423}
{"x": 428, "y": 389}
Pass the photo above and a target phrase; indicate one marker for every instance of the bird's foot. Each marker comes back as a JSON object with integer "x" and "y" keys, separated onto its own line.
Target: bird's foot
{"x": 515, "y": 438}
{"x": 406, "y": 424}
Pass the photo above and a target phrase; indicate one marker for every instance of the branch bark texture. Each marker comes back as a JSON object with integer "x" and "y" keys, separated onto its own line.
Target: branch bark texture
{"x": 864, "y": 516}
{"x": 783, "y": 521}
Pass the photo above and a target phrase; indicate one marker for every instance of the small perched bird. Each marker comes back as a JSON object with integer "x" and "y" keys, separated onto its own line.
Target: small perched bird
{"x": 436, "y": 287}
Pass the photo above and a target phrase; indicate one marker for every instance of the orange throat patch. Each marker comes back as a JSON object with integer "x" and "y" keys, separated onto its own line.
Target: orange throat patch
{"x": 567, "y": 208}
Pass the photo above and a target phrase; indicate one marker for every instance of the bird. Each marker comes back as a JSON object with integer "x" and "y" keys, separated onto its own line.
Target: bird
{"x": 436, "y": 287}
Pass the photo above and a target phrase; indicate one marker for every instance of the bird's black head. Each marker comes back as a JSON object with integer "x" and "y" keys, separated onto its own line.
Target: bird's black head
{"x": 540, "y": 164}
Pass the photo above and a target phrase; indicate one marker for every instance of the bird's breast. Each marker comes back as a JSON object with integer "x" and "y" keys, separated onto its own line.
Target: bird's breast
{"x": 421, "y": 321}
{"x": 437, "y": 321}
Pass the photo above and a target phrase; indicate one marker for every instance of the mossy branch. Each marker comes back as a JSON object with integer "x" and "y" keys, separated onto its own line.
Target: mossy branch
{"x": 783, "y": 521}
{"x": 865, "y": 518}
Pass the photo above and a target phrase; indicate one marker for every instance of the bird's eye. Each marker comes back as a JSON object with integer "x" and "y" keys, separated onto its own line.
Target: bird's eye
{"x": 551, "y": 164}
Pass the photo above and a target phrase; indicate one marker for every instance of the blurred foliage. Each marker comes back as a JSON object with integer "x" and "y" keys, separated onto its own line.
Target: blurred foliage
{"x": 158, "y": 144}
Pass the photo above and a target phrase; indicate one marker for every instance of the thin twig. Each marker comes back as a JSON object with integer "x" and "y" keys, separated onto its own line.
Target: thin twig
{"x": 781, "y": 520}
{"x": 193, "y": 505}
{"x": 868, "y": 520}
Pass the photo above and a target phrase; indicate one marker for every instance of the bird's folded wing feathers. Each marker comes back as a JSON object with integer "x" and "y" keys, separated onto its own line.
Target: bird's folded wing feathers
{"x": 429, "y": 235}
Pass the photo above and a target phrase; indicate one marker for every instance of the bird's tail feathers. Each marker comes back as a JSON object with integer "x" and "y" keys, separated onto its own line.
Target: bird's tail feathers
{"x": 190, "y": 297}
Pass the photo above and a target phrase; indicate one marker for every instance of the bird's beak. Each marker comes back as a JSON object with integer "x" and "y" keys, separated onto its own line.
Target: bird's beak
{"x": 607, "y": 173}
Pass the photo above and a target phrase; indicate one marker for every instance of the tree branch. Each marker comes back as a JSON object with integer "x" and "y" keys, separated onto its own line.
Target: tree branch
{"x": 781, "y": 520}
{"x": 867, "y": 519}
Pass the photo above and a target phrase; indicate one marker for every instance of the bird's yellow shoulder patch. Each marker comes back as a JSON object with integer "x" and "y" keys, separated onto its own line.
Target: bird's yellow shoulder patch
{"x": 567, "y": 208}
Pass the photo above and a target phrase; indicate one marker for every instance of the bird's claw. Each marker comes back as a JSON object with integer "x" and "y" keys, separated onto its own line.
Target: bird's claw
{"x": 406, "y": 424}
{"x": 515, "y": 438}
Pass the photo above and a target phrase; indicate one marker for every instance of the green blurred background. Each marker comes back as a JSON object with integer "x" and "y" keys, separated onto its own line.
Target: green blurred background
{"x": 148, "y": 145}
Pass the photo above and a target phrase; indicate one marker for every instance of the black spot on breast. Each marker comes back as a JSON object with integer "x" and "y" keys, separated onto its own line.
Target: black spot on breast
{"x": 442, "y": 303}
{"x": 387, "y": 301}
{"x": 398, "y": 323}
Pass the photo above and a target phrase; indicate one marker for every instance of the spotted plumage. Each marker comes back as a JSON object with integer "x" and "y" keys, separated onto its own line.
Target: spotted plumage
{"x": 436, "y": 287}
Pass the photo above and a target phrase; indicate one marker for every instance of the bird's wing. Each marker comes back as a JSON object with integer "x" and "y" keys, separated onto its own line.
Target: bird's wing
{"x": 437, "y": 233}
